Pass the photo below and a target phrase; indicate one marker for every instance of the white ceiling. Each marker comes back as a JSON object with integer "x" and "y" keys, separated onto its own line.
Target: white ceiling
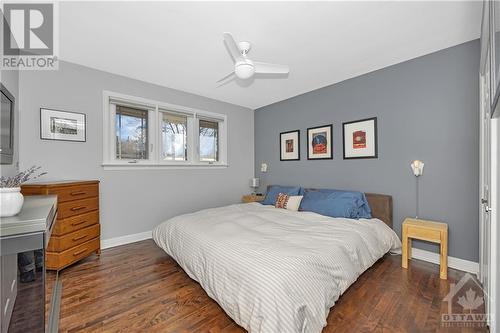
{"x": 180, "y": 45}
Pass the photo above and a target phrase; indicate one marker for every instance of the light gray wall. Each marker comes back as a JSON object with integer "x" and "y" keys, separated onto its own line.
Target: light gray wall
{"x": 132, "y": 201}
{"x": 10, "y": 79}
{"x": 427, "y": 109}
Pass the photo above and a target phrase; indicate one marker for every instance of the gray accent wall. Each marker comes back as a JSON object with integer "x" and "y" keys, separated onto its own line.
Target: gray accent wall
{"x": 132, "y": 201}
{"x": 427, "y": 109}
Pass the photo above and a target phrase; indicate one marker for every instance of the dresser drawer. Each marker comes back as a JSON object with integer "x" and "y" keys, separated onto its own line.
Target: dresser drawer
{"x": 69, "y": 193}
{"x": 59, "y": 260}
{"x": 61, "y": 243}
{"x": 70, "y": 224}
{"x": 76, "y": 207}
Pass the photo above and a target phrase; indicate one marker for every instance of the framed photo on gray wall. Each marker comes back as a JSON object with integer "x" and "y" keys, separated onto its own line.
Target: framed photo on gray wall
{"x": 290, "y": 146}
{"x": 360, "y": 139}
{"x": 62, "y": 125}
{"x": 320, "y": 143}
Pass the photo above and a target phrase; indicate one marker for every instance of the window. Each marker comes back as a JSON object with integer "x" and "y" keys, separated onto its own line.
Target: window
{"x": 131, "y": 133}
{"x": 145, "y": 133}
{"x": 173, "y": 137}
{"x": 209, "y": 140}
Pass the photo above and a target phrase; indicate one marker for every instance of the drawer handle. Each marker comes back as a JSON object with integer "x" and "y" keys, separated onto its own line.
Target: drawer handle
{"x": 78, "y": 223}
{"x": 79, "y": 252}
{"x": 78, "y": 208}
{"x": 79, "y": 237}
{"x": 78, "y": 193}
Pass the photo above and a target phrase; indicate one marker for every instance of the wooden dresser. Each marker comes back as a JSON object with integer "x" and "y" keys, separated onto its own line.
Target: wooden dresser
{"x": 76, "y": 234}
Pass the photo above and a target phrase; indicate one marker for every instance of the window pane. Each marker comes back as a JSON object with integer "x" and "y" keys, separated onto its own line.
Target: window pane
{"x": 209, "y": 141}
{"x": 174, "y": 137}
{"x": 131, "y": 133}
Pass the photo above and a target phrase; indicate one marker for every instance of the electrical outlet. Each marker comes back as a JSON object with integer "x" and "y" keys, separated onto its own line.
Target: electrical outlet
{"x": 263, "y": 167}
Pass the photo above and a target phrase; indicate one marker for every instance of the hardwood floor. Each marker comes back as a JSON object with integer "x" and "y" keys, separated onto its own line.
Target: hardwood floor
{"x": 138, "y": 288}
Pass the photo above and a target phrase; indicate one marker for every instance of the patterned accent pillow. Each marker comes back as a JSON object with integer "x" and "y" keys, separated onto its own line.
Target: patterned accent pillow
{"x": 281, "y": 200}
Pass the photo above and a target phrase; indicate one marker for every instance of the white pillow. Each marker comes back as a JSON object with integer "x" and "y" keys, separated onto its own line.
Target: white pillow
{"x": 293, "y": 202}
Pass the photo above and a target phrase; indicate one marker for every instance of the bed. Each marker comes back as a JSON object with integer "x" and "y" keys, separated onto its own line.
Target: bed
{"x": 275, "y": 270}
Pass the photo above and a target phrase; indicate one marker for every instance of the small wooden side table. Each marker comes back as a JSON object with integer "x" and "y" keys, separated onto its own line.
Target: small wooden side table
{"x": 252, "y": 198}
{"x": 430, "y": 231}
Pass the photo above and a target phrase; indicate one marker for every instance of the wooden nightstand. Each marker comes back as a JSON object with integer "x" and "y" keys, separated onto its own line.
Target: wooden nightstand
{"x": 252, "y": 198}
{"x": 430, "y": 231}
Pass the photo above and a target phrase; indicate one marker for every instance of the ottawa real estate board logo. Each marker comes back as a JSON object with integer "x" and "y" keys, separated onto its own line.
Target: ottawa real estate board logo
{"x": 465, "y": 304}
{"x": 30, "y": 36}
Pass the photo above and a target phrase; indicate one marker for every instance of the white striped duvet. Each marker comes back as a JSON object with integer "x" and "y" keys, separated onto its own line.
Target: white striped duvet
{"x": 274, "y": 270}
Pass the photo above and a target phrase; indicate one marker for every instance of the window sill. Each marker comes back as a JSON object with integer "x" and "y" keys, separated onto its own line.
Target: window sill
{"x": 133, "y": 166}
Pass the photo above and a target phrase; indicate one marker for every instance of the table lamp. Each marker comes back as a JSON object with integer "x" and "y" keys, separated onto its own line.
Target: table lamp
{"x": 254, "y": 184}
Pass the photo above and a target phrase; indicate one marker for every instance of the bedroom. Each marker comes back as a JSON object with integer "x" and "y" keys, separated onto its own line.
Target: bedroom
{"x": 152, "y": 139}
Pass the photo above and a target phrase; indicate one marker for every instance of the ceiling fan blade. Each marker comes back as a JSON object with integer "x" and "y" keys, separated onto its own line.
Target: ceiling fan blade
{"x": 223, "y": 83}
{"x": 233, "y": 48}
{"x": 226, "y": 77}
{"x": 265, "y": 68}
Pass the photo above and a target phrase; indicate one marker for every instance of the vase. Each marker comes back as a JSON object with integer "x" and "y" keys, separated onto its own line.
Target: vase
{"x": 11, "y": 201}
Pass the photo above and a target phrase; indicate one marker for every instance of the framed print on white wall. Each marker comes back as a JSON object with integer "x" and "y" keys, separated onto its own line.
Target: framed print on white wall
{"x": 360, "y": 139}
{"x": 319, "y": 143}
{"x": 62, "y": 125}
{"x": 290, "y": 146}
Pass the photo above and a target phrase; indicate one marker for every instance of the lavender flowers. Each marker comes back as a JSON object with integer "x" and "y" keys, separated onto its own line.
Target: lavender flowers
{"x": 21, "y": 177}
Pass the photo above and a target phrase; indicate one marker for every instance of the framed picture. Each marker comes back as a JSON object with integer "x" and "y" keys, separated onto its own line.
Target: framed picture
{"x": 319, "y": 143}
{"x": 290, "y": 146}
{"x": 360, "y": 139}
{"x": 62, "y": 125}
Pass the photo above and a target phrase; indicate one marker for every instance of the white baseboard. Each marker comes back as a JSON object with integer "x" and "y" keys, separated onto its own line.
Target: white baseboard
{"x": 456, "y": 263}
{"x": 122, "y": 240}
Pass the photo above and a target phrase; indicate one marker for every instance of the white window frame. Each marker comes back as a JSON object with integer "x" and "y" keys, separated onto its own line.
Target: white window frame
{"x": 110, "y": 162}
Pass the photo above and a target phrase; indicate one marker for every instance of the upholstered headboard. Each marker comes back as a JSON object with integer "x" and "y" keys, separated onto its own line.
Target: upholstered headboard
{"x": 380, "y": 204}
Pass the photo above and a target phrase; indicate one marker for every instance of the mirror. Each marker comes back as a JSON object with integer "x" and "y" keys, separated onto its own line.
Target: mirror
{"x": 6, "y": 126}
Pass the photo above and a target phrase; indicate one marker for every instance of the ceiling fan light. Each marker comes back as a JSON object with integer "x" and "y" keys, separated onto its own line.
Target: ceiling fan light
{"x": 244, "y": 71}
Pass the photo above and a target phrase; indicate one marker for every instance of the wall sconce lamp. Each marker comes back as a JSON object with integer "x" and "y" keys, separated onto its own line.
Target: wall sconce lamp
{"x": 418, "y": 169}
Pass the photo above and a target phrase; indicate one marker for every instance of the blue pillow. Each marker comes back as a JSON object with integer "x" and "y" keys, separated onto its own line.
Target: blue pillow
{"x": 364, "y": 210}
{"x": 272, "y": 193}
{"x": 336, "y": 203}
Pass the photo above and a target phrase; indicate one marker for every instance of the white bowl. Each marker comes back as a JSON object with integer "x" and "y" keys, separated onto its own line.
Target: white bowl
{"x": 11, "y": 201}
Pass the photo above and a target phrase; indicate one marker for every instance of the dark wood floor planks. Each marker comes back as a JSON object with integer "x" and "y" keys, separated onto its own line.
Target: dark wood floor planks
{"x": 138, "y": 288}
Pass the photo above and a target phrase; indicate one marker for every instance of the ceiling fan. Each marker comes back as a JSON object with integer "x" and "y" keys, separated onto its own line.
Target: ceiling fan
{"x": 244, "y": 68}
